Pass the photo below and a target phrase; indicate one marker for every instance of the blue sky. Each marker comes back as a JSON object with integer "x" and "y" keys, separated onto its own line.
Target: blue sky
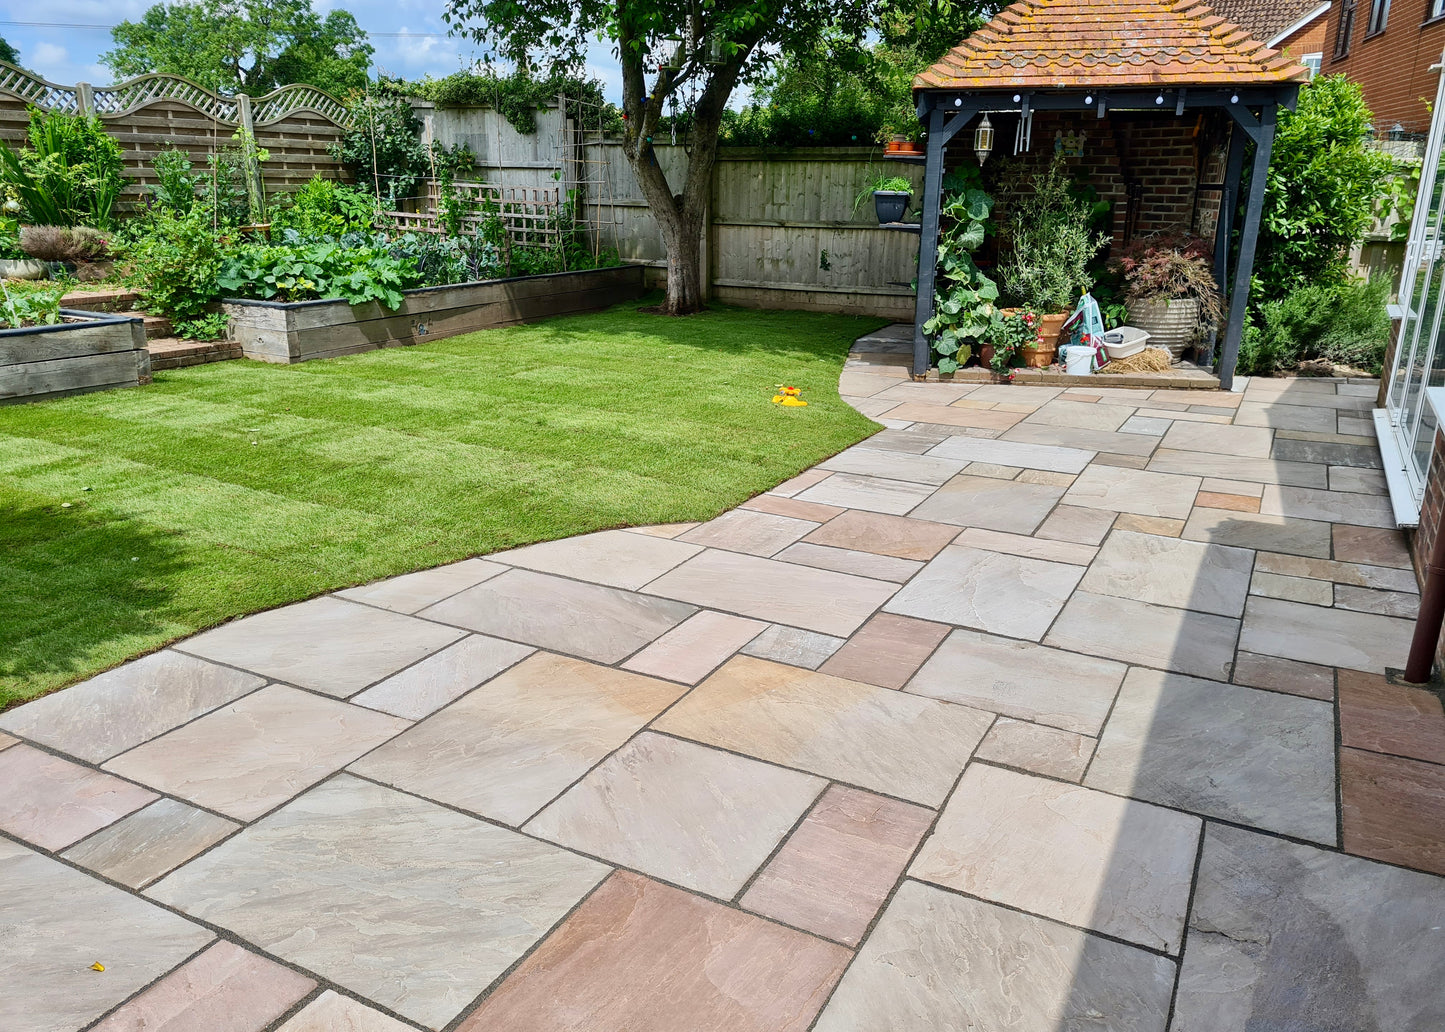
{"x": 68, "y": 55}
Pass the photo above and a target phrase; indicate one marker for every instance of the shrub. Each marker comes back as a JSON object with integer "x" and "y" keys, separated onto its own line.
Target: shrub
{"x": 69, "y": 175}
{"x": 1344, "y": 323}
{"x": 323, "y": 208}
{"x": 1050, "y": 244}
{"x": 1171, "y": 268}
{"x": 64, "y": 243}
{"x": 178, "y": 183}
{"x": 215, "y": 326}
{"x": 172, "y": 258}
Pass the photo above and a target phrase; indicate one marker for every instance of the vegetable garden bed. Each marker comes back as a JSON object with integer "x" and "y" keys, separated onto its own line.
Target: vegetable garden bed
{"x": 88, "y": 351}
{"x": 300, "y": 331}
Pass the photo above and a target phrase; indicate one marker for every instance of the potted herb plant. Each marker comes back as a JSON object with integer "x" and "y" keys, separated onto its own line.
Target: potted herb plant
{"x": 891, "y": 195}
{"x": 1170, "y": 291}
{"x": 1049, "y": 245}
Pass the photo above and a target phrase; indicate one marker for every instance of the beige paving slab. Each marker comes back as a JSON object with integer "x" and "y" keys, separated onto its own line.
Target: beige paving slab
{"x": 1181, "y": 413}
{"x": 1154, "y": 425}
{"x": 912, "y": 441}
{"x": 878, "y": 739}
{"x": 328, "y": 644}
{"x": 1360, "y": 481}
{"x": 126, "y": 706}
{"x": 1259, "y": 758}
{"x": 509, "y": 748}
{"x": 1286, "y": 417}
{"x": 1147, "y": 635}
{"x": 938, "y": 960}
{"x": 971, "y": 501}
{"x": 1265, "y": 533}
{"x": 1038, "y": 748}
{"x": 988, "y": 591}
{"x": 59, "y": 921}
{"x": 332, "y": 1012}
{"x": 413, "y": 592}
{"x": 817, "y": 600}
{"x": 153, "y": 841}
{"x": 794, "y": 646}
{"x": 1088, "y": 859}
{"x": 1083, "y": 415}
{"x": 224, "y": 989}
{"x": 1292, "y": 589}
{"x": 1372, "y": 546}
{"x": 1171, "y": 572}
{"x": 1331, "y": 637}
{"x": 252, "y": 755}
{"x": 1024, "y": 680}
{"x": 1386, "y": 603}
{"x": 1250, "y": 441}
{"x": 1243, "y": 488}
{"x": 663, "y": 530}
{"x": 949, "y": 415}
{"x": 1010, "y": 392}
{"x": 919, "y": 469}
{"x": 1239, "y": 467}
{"x": 801, "y": 482}
{"x": 6, "y": 741}
{"x": 930, "y": 393}
{"x": 676, "y": 810}
{"x": 1358, "y": 575}
{"x": 613, "y": 557}
{"x": 746, "y": 530}
{"x": 51, "y": 802}
{"x": 1085, "y": 440}
{"x": 1329, "y": 506}
{"x": 1285, "y": 675}
{"x": 1156, "y": 525}
{"x": 1048, "y": 458}
{"x": 692, "y": 649}
{"x": 865, "y": 384}
{"x": 843, "y": 560}
{"x": 1077, "y": 524}
{"x": 780, "y": 506}
{"x": 420, "y": 690}
{"x": 1136, "y": 491}
{"x": 401, "y": 901}
{"x": 1042, "y": 476}
{"x": 875, "y": 494}
{"x": 588, "y": 620}
{"x": 882, "y": 534}
{"x": 1032, "y": 547}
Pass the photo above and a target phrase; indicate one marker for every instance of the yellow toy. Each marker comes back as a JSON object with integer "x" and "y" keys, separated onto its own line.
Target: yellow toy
{"x": 788, "y": 396}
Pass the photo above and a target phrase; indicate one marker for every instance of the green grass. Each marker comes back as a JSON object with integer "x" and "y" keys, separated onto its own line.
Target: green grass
{"x": 230, "y": 488}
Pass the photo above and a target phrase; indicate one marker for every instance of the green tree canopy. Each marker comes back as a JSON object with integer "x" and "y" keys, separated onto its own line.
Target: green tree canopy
{"x": 8, "y": 53}
{"x": 245, "y": 46}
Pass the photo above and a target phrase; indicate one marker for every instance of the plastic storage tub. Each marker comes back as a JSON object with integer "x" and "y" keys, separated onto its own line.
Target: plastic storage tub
{"x": 1125, "y": 341}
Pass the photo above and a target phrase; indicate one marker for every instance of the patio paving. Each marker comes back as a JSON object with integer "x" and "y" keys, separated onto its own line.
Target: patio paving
{"x": 1045, "y": 709}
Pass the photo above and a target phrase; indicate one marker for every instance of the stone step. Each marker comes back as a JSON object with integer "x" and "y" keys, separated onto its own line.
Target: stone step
{"x": 173, "y": 353}
{"x": 100, "y": 300}
{"x": 157, "y": 326}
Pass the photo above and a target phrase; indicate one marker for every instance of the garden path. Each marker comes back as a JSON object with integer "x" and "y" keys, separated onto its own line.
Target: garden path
{"x": 1041, "y": 705}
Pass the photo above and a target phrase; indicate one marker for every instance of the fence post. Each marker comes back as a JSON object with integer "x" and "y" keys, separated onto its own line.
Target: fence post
{"x": 254, "y": 188}
{"x": 84, "y": 98}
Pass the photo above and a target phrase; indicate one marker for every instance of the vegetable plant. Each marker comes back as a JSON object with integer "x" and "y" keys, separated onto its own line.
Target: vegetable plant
{"x": 964, "y": 309}
{"x": 31, "y": 308}
{"x": 301, "y": 271}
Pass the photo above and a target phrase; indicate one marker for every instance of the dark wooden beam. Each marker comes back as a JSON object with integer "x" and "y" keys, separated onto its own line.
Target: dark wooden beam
{"x": 943, "y": 124}
{"x": 1228, "y": 205}
{"x": 1248, "y": 240}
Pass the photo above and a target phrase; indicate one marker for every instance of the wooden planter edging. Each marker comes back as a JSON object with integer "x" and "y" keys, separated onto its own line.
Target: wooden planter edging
{"x": 89, "y": 351}
{"x": 300, "y": 331}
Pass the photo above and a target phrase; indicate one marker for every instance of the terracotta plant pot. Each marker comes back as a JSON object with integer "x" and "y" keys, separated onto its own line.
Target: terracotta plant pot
{"x": 902, "y": 146}
{"x": 1040, "y": 357}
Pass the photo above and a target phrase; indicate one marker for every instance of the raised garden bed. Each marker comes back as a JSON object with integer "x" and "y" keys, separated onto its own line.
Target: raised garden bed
{"x": 88, "y": 351}
{"x": 300, "y": 331}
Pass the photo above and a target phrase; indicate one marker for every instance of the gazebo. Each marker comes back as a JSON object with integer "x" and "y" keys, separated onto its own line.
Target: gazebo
{"x": 1117, "y": 63}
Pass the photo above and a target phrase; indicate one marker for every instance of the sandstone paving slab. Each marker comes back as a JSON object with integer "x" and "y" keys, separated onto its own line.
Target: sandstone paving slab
{"x": 1391, "y": 718}
{"x": 51, "y": 802}
{"x": 1353, "y": 425}
{"x": 1259, "y": 758}
{"x": 327, "y": 644}
{"x": 887, "y": 741}
{"x": 224, "y": 989}
{"x": 404, "y": 902}
{"x": 612, "y": 557}
{"x": 1006, "y": 505}
{"x": 833, "y": 873}
{"x": 1218, "y": 485}
{"x": 646, "y": 957}
{"x": 1284, "y": 935}
{"x": 1266, "y": 533}
{"x": 794, "y": 646}
{"x": 1049, "y": 458}
{"x": 1132, "y": 490}
{"x": 332, "y": 1012}
{"x": 747, "y": 530}
{"x": 780, "y": 506}
{"x": 892, "y": 465}
{"x": 1037, "y": 748}
{"x": 1239, "y": 467}
{"x": 1172, "y": 572}
{"x": 912, "y": 441}
{"x": 864, "y": 384}
{"x": 1386, "y": 603}
{"x": 875, "y": 494}
{"x": 1292, "y": 589}
{"x": 844, "y": 560}
{"x": 58, "y": 922}
{"x": 939, "y": 961}
{"x": 1393, "y": 809}
{"x": 1151, "y": 425}
{"x": 124, "y": 707}
{"x": 887, "y": 651}
{"x": 1371, "y": 546}
{"x": 1077, "y": 524}
{"x": 663, "y": 530}
{"x": 1083, "y": 415}
{"x": 1236, "y": 503}
{"x": 765, "y": 589}
{"x": 1332, "y": 637}
{"x": 413, "y": 592}
{"x": 1081, "y": 439}
{"x": 1148, "y": 635}
{"x": 249, "y": 757}
{"x": 1285, "y": 675}
{"x": 1334, "y": 453}
{"x": 153, "y": 841}
{"x": 422, "y": 689}
{"x": 1021, "y": 679}
{"x": 881, "y": 534}
{"x": 950, "y": 415}
{"x": 509, "y": 748}
{"x": 1384, "y": 578}
{"x": 1031, "y": 547}
{"x": 1085, "y": 858}
{"x": 1156, "y": 525}
{"x": 1286, "y": 417}
{"x": 1248, "y": 441}
{"x": 695, "y": 647}
{"x": 1328, "y": 506}
{"x": 1360, "y": 481}
{"x": 6, "y": 741}
{"x": 799, "y": 483}
{"x": 988, "y": 591}
{"x": 588, "y": 620}
{"x": 693, "y": 816}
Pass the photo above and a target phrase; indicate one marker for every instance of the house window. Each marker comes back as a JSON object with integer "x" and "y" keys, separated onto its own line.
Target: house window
{"x": 1313, "y": 63}
{"x": 1347, "y": 25}
{"x": 1380, "y": 14}
{"x": 1434, "y": 9}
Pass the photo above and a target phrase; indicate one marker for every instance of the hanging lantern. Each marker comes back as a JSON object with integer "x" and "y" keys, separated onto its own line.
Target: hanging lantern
{"x": 983, "y": 140}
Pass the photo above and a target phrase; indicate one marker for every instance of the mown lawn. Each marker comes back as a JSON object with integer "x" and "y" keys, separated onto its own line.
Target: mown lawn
{"x": 226, "y": 489}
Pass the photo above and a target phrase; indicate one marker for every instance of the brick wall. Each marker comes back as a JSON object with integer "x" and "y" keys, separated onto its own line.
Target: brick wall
{"x": 1309, "y": 40}
{"x": 1430, "y": 516}
{"x": 1392, "y": 66}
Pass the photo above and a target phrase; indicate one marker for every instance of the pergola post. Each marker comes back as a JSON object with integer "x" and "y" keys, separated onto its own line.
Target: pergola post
{"x": 1248, "y": 239}
{"x": 928, "y": 243}
{"x": 1228, "y": 203}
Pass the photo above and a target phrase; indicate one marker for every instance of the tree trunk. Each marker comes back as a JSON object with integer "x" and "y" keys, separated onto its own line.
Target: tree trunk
{"x": 684, "y": 266}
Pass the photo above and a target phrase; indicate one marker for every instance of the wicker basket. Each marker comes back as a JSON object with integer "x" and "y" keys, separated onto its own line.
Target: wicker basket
{"x": 1170, "y": 324}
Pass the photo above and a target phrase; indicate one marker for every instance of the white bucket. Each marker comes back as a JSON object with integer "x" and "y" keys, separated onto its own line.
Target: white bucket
{"x": 1079, "y": 361}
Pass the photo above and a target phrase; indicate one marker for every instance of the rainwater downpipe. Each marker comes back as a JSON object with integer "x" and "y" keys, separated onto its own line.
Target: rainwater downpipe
{"x": 1432, "y": 613}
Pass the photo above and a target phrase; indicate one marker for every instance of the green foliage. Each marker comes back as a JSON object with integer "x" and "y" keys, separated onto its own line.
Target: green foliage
{"x": 177, "y": 180}
{"x": 29, "y": 308}
{"x": 964, "y": 298}
{"x": 171, "y": 258}
{"x": 214, "y": 326}
{"x": 1050, "y": 244}
{"x": 515, "y": 96}
{"x": 323, "y": 208}
{"x": 1010, "y": 333}
{"x": 1325, "y": 188}
{"x": 69, "y": 175}
{"x": 245, "y": 46}
{"x": 10, "y": 237}
{"x": 8, "y": 53}
{"x": 303, "y": 271}
{"x": 1345, "y": 324}
{"x": 383, "y": 149}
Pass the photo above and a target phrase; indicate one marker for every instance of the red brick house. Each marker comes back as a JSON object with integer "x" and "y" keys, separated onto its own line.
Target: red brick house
{"x": 1388, "y": 47}
{"x": 1297, "y": 27}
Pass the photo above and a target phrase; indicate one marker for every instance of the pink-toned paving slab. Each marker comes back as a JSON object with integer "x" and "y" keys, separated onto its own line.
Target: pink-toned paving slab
{"x": 332, "y": 1012}
{"x": 887, "y": 651}
{"x": 1390, "y": 718}
{"x": 53, "y": 802}
{"x": 694, "y": 648}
